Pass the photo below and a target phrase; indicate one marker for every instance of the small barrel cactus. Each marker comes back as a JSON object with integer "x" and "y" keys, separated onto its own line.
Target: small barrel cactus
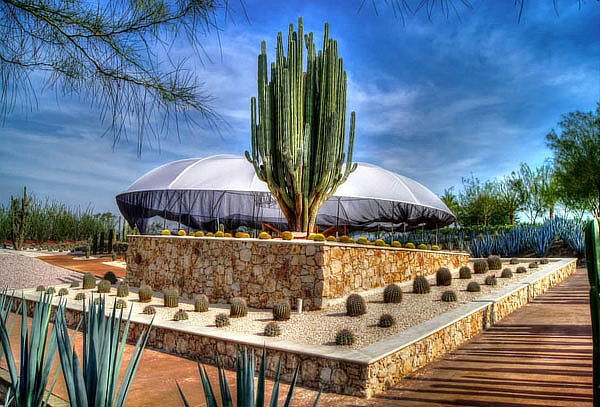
{"x": 110, "y": 276}
{"x": 443, "y": 276}
{"x": 514, "y": 261}
{"x": 379, "y": 242}
{"x": 120, "y": 304}
{"x": 480, "y": 266}
{"x": 396, "y": 243}
{"x": 219, "y": 234}
{"x": 238, "y": 307}
{"x": 74, "y": 284}
{"x": 521, "y": 269}
{"x": 221, "y": 320}
{"x": 145, "y": 293}
{"x": 436, "y": 248}
{"x": 63, "y": 291}
{"x": 494, "y": 263}
{"x": 104, "y": 286}
{"x": 149, "y": 310}
{"x": 181, "y": 315}
{"x": 533, "y": 265}
{"x": 491, "y": 280}
{"x": 209, "y": 234}
{"x": 89, "y": 281}
{"x": 356, "y": 305}
{"x": 392, "y": 294}
{"x": 40, "y": 288}
{"x": 449, "y": 296}
{"x": 282, "y": 311}
{"x": 272, "y": 329}
{"x": 345, "y": 337}
{"x": 410, "y": 245}
{"x": 544, "y": 261}
{"x": 421, "y": 285}
{"x": 165, "y": 232}
{"x": 362, "y": 240}
{"x": 287, "y": 235}
{"x": 331, "y": 238}
{"x": 264, "y": 236}
{"x": 181, "y": 232}
{"x": 80, "y": 297}
{"x": 464, "y": 272}
{"x": 51, "y": 290}
{"x": 122, "y": 290}
{"x": 386, "y": 321}
{"x": 506, "y": 273}
{"x": 171, "y": 298}
{"x": 422, "y": 246}
{"x": 319, "y": 237}
{"x": 199, "y": 234}
{"x": 473, "y": 287}
{"x": 201, "y": 303}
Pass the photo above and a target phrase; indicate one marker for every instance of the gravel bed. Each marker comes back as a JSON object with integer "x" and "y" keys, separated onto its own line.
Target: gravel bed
{"x": 320, "y": 327}
{"x": 18, "y": 271}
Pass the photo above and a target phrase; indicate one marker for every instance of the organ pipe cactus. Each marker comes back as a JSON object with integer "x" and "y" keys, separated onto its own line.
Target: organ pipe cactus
{"x": 592, "y": 249}
{"x": 298, "y": 126}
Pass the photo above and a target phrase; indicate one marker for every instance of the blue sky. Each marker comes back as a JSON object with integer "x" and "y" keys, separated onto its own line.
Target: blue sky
{"x": 435, "y": 100}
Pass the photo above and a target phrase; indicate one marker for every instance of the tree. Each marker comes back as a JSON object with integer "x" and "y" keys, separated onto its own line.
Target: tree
{"x": 479, "y": 200}
{"x": 531, "y": 184}
{"x": 576, "y": 149}
{"x": 298, "y": 126}
{"x": 549, "y": 191}
{"x": 114, "y": 54}
{"x": 510, "y": 195}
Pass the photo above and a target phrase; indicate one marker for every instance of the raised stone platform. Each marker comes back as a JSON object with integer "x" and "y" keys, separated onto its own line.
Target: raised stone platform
{"x": 266, "y": 272}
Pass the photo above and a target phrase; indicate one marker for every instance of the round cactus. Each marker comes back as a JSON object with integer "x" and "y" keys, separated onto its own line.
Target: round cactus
{"x": 473, "y": 287}
{"x": 74, "y": 284}
{"x": 436, "y": 248}
{"x": 282, "y": 311}
{"x": 272, "y": 329}
{"x": 122, "y": 290}
{"x": 346, "y": 239}
{"x": 319, "y": 237}
{"x": 379, "y": 242}
{"x": 362, "y": 240}
{"x": 514, "y": 261}
{"x": 63, "y": 291}
{"x": 201, "y": 303}
{"x": 110, "y": 276}
{"x": 521, "y": 269}
{"x": 221, "y": 320}
{"x": 149, "y": 310}
{"x": 145, "y": 293}
{"x": 171, "y": 298}
{"x": 356, "y": 305}
{"x": 180, "y": 315}
{"x": 506, "y": 273}
{"x": 209, "y": 234}
{"x": 392, "y": 294}
{"x": 386, "y": 321}
{"x": 120, "y": 304}
{"x": 480, "y": 266}
{"x": 421, "y": 285}
{"x": 422, "y": 246}
{"x": 533, "y": 265}
{"x": 40, "y": 288}
{"x": 396, "y": 243}
{"x": 199, "y": 234}
{"x": 238, "y": 308}
{"x": 104, "y": 286}
{"x": 219, "y": 233}
{"x": 181, "y": 232}
{"x": 449, "y": 296}
{"x": 227, "y": 234}
{"x": 331, "y": 238}
{"x": 80, "y": 297}
{"x": 264, "y": 236}
{"x": 287, "y": 235}
{"x": 345, "y": 337}
{"x": 494, "y": 263}
{"x": 443, "y": 276}
{"x": 491, "y": 280}
{"x": 89, "y": 281}
{"x": 464, "y": 272}
{"x": 410, "y": 245}
{"x": 165, "y": 232}
{"x": 51, "y": 290}
{"x": 544, "y": 261}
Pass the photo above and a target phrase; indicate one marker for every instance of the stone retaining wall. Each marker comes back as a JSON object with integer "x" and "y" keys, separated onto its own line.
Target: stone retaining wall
{"x": 267, "y": 272}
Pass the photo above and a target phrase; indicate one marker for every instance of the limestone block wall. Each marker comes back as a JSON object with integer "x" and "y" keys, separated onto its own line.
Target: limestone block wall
{"x": 268, "y": 271}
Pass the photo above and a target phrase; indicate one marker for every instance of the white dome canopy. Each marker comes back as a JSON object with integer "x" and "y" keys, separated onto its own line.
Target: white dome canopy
{"x": 225, "y": 189}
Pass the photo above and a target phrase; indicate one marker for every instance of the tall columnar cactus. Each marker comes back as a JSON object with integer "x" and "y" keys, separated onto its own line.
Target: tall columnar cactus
{"x": 298, "y": 125}
{"x": 20, "y": 216}
{"x": 592, "y": 251}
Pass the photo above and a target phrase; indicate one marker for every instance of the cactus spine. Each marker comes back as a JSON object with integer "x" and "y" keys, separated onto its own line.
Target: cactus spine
{"x": 592, "y": 252}
{"x": 298, "y": 126}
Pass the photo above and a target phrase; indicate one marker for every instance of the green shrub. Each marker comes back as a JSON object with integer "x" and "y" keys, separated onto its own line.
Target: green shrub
{"x": 356, "y": 305}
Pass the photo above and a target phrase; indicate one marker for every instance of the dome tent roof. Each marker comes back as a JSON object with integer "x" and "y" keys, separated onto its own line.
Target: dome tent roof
{"x": 202, "y": 192}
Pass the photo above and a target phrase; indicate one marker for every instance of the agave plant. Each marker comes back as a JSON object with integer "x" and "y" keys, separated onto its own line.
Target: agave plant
{"x": 247, "y": 395}
{"x": 95, "y": 382}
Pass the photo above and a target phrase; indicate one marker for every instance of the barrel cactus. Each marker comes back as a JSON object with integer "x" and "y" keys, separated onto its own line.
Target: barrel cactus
{"x": 331, "y": 238}
{"x": 201, "y": 303}
{"x": 219, "y": 233}
{"x": 421, "y": 285}
{"x": 480, "y": 266}
{"x": 40, "y": 288}
{"x": 110, "y": 276}
{"x": 494, "y": 263}
{"x": 281, "y": 311}
{"x": 171, "y": 298}
{"x": 491, "y": 280}
{"x": 80, "y": 297}
{"x": 356, "y": 305}
{"x": 362, "y": 240}
{"x": 165, "y": 232}
{"x": 145, "y": 293}
{"x": 544, "y": 261}
{"x": 397, "y": 244}
{"x": 443, "y": 276}
{"x": 199, "y": 233}
{"x": 287, "y": 235}
{"x": 272, "y": 329}
{"x": 264, "y": 236}
{"x": 345, "y": 337}
{"x": 521, "y": 269}
{"x": 221, "y": 320}
{"x": 63, "y": 291}
{"x": 386, "y": 321}
{"x": 464, "y": 272}
{"x": 449, "y": 296}
{"x": 122, "y": 290}
{"x": 506, "y": 273}
{"x": 410, "y": 245}
{"x": 74, "y": 284}
{"x": 319, "y": 237}
{"x": 149, "y": 310}
{"x": 181, "y": 315}
{"x": 380, "y": 242}
{"x": 436, "y": 248}
{"x": 89, "y": 281}
{"x": 238, "y": 307}
{"x": 51, "y": 290}
{"x": 104, "y": 286}
{"x": 422, "y": 246}
{"x": 120, "y": 304}
{"x": 473, "y": 287}
{"x": 514, "y": 261}
{"x": 533, "y": 265}
{"x": 392, "y": 294}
